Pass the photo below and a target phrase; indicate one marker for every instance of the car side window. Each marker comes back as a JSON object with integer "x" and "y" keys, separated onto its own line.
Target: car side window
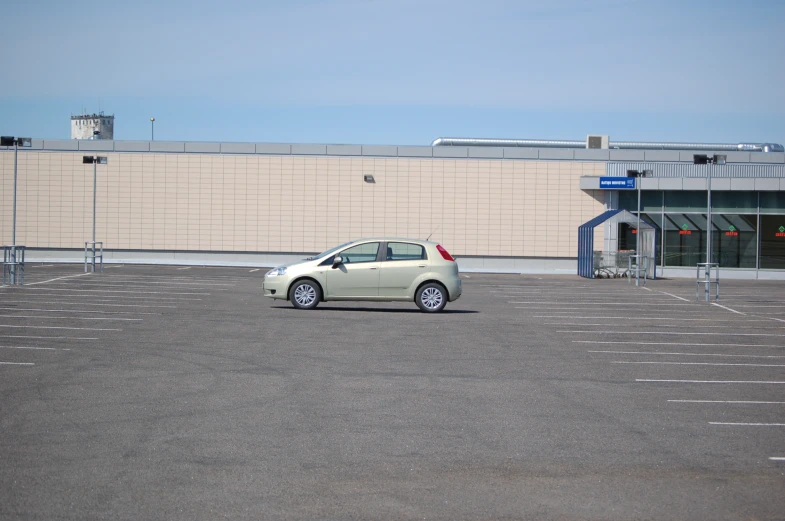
{"x": 360, "y": 253}
{"x": 400, "y": 251}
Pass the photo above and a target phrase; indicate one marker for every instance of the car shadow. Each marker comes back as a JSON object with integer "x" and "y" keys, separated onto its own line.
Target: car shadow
{"x": 383, "y": 310}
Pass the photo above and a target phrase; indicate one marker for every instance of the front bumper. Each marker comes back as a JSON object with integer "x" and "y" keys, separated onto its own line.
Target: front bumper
{"x": 274, "y": 288}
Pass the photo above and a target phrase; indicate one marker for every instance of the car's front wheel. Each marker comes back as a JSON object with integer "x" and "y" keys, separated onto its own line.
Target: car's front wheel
{"x": 305, "y": 294}
{"x": 431, "y": 297}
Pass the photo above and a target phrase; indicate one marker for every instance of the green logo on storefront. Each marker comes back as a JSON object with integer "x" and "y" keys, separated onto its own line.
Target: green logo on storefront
{"x": 782, "y": 229}
{"x": 732, "y": 228}
{"x": 685, "y": 226}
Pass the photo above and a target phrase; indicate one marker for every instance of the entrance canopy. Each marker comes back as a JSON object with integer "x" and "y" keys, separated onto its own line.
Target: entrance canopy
{"x": 646, "y": 237}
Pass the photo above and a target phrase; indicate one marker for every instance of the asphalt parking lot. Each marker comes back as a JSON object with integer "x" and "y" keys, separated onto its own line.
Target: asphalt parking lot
{"x": 182, "y": 393}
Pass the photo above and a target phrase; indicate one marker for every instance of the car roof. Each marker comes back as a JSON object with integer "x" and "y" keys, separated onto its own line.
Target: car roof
{"x": 394, "y": 239}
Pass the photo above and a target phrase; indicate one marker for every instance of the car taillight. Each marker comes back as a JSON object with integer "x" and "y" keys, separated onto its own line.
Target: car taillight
{"x": 444, "y": 253}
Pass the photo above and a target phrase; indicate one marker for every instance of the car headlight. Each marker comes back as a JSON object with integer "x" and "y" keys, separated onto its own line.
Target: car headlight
{"x": 275, "y": 272}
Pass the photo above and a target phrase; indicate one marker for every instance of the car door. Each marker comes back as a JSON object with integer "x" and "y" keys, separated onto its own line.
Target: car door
{"x": 357, "y": 276}
{"x": 403, "y": 263}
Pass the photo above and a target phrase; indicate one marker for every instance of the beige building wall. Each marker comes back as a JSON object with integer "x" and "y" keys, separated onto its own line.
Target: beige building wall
{"x": 259, "y": 203}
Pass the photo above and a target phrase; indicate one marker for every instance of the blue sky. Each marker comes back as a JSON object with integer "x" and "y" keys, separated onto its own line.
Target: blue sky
{"x": 397, "y": 71}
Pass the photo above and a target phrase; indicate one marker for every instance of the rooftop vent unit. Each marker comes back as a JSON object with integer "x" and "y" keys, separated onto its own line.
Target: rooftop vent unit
{"x": 597, "y": 141}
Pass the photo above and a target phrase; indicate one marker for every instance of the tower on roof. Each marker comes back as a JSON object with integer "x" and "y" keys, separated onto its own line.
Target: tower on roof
{"x": 92, "y": 126}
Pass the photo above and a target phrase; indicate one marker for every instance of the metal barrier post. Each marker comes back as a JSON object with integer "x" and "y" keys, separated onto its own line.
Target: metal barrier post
{"x": 641, "y": 264}
{"x": 92, "y": 251}
{"x": 14, "y": 264}
{"x": 707, "y": 282}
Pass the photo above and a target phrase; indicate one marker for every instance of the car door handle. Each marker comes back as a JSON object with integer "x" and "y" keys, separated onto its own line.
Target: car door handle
{"x": 421, "y": 266}
{"x": 372, "y": 268}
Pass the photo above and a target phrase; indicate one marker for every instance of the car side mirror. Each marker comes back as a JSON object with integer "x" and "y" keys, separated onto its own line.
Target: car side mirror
{"x": 337, "y": 261}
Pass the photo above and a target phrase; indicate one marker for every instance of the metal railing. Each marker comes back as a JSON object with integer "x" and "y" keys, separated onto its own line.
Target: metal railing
{"x": 14, "y": 264}
{"x": 639, "y": 269}
{"x": 93, "y": 251}
{"x": 707, "y": 282}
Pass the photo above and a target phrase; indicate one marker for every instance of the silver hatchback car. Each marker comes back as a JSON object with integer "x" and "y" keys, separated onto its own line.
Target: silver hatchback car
{"x": 384, "y": 269}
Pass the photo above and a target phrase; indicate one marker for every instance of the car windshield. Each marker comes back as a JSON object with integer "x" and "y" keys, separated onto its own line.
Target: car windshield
{"x": 330, "y": 251}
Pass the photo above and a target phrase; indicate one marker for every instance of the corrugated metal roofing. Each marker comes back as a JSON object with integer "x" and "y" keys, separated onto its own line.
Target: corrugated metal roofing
{"x": 690, "y": 170}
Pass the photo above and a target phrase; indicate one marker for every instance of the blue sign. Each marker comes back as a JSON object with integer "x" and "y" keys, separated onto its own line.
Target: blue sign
{"x": 617, "y": 183}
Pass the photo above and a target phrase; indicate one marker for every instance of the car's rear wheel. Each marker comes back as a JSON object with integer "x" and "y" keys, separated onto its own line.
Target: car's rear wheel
{"x": 431, "y": 297}
{"x": 305, "y": 294}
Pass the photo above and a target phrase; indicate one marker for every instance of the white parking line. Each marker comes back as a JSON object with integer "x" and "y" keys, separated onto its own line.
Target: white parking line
{"x": 83, "y": 311}
{"x": 669, "y": 353}
{"x": 98, "y": 303}
{"x": 749, "y": 424}
{"x": 698, "y": 363}
{"x": 58, "y": 278}
{"x": 670, "y": 344}
{"x": 608, "y": 303}
{"x": 58, "y": 327}
{"x": 713, "y": 326}
{"x": 36, "y": 348}
{"x": 73, "y": 290}
{"x": 710, "y": 381}
{"x": 16, "y": 363}
{"x": 662, "y": 333}
{"x": 729, "y": 309}
{"x": 728, "y": 401}
{"x": 257, "y": 269}
{"x": 648, "y": 318}
{"x": 674, "y": 296}
{"x": 110, "y": 298}
{"x": 72, "y": 318}
{"x": 186, "y": 268}
{"x": 50, "y": 337}
{"x": 777, "y": 458}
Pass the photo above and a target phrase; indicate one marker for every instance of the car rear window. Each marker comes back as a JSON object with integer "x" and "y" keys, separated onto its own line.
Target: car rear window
{"x": 401, "y": 251}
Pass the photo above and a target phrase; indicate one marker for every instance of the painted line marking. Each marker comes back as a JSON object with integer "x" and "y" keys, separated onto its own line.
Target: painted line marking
{"x": 50, "y": 337}
{"x": 608, "y": 303}
{"x": 749, "y": 424}
{"x": 257, "y": 269}
{"x": 111, "y": 298}
{"x": 119, "y": 291}
{"x": 37, "y": 348}
{"x": 71, "y": 318}
{"x": 58, "y": 278}
{"x": 670, "y": 344}
{"x": 777, "y": 319}
{"x": 103, "y": 304}
{"x": 668, "y": 353}
{"x": 777, "y": 458}
{"x": 715, "y": 326}
{"x": 82, "y": 311}
{"x": 186, "y": 268}
{"x": 42, "y": 266}
{"x": 729, "y": 309}
{"x": 663, "y": 333}
{"x": 674, "y": 296}
{"x": 59, "y": 327}
{"x": 710, "y": 381}
{"x": 727, "y": 401}
{"x": 700, "y": 363}
{"x": 127, "y": 282}
{"x": 649, "y": 318}
{"x": 16, "y": 363}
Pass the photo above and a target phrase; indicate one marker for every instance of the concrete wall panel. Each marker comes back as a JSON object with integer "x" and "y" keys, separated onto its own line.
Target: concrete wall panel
{"x": 309, "y": 150}
{"x": 720, "y": 183}
{"x": 344, "y": 150}
{"x": 167, "y": 146}
{"x": 592, "y": 154}
{"x": 450, "y": 152}
{"x": 96, "y": 145}
{"x": 521, "y": 153}
{"x": 61, "y": 144}
{"x": 415, "y": 151}
{"x": 273, "y": 148}
{"x": 486, "y": 152}
{"x": 767, "y": 157}
{"x": 693, "y": 183}
{"x": 238, "y": 148}
{"x": 556, "y": 153}
{"x": 627, "y": 155}
{"x": 379, "y": 150}
{"x": 742, "y": 184}
{"x": 670, "y": 183}
{"x": 202, "y": 148}
{"x": 131, "y": 146}
{"x": 767, "y": 184}
{"x": 661, "y": 155}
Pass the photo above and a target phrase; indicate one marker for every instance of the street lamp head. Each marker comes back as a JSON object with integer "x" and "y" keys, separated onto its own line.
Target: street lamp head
{"x": 6, "y": 141}
{"x": 152, "y": 119}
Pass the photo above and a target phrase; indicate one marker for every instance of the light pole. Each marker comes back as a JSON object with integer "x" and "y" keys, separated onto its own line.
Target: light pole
{"x": 7, "y": 141}
{"x": 152, "y": 129}
{"x": 95, "y": 160}
{"x": 638, "y": 174}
